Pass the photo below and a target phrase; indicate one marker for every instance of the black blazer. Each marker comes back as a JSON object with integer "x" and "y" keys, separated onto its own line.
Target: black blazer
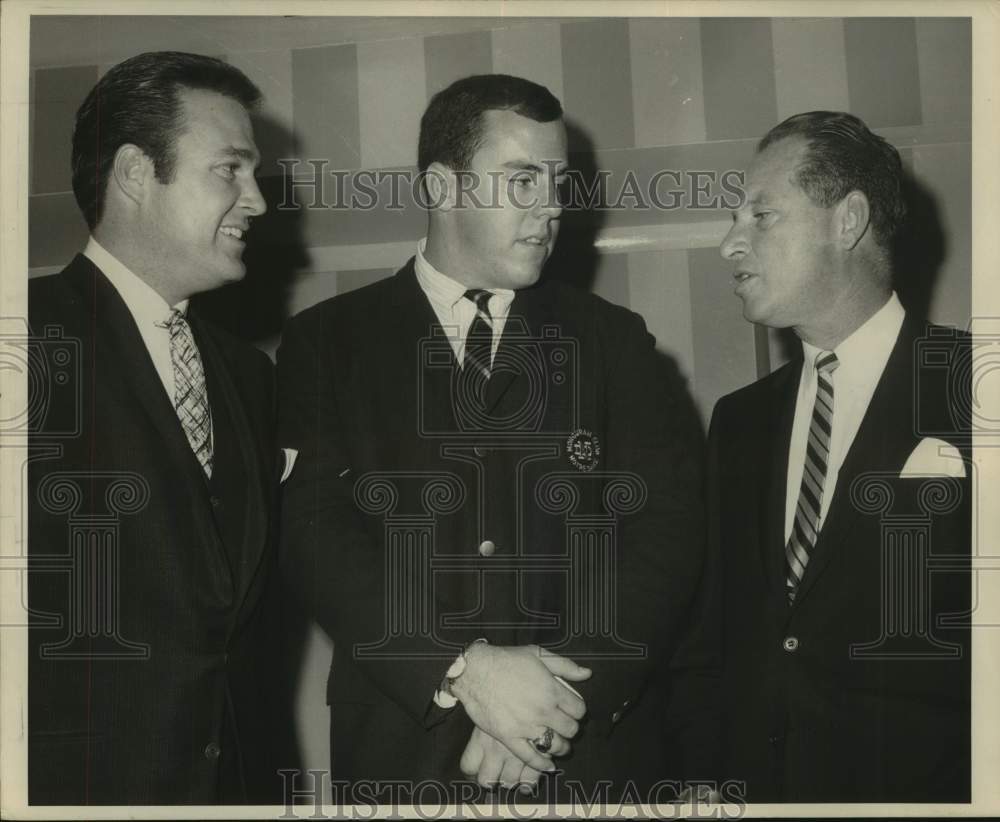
{"x": 367, "y": 397}
{"x": 830, "y": 699}
{"x": 156, "y": 696}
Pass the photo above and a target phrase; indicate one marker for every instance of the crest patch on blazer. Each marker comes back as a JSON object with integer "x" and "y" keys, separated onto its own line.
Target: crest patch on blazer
{"x": 583, "y": 448}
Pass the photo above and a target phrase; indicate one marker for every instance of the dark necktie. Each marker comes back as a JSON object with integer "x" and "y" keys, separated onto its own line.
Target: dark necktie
{"x": 479, "y": 340}
{"x": 190, "y": 390}
{"x": 805, "y": 528}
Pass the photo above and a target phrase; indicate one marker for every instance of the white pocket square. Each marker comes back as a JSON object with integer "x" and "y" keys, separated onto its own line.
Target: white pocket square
{"x": 290, "y": 455}
{"x": 934, "y": 457}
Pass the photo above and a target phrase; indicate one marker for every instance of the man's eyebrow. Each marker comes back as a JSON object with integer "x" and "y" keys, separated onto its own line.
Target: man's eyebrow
{"x": 246, "y": 154}
{"x": 529, "y": 165}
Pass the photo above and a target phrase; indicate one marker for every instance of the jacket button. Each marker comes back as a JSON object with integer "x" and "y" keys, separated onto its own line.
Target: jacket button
{"x": 487, "y": 548}
{"x": 212, "y": 751}
{"x": 616, "y": 717}
{"x": 216, "y": 501}
{"x": 790, "y": 644}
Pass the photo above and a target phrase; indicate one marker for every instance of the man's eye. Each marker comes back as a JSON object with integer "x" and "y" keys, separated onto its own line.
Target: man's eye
{"x": 229, "y": 169}
{"x": 523, "y": 181}
{"x": 759, "y": 215}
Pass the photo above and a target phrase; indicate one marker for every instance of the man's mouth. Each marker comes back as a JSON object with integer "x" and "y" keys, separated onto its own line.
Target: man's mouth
{"x": 743, "y": 276}
{"x": 542, "y": 240}
{"x": 232, "y": 231}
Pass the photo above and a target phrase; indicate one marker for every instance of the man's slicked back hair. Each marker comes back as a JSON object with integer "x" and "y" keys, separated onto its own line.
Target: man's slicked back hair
{"x": 843, "y": 155}
{"x": 137, "y": 102}
{"x": 451, "y": 129}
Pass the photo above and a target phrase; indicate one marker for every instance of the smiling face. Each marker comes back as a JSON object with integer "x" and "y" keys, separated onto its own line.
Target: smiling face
{"x": 783, "y": 246}
{"x": 505, "y": 224}
{"x": 193, "y": 227}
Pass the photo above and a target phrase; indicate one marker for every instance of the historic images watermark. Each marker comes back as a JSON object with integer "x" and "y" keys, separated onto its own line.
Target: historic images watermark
{"x": 93, "y": 503}
{"x": 311, "y": 184}
{"x": 494, "y": 447}
{"x": 953, "y": 368}
{"x": 313, "y": 794}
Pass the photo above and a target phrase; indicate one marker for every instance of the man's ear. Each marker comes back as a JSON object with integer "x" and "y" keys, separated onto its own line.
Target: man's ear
{"x": 441, "y": 185}
{"x": 853, "y": 218}
{"x": 132, "y": 173}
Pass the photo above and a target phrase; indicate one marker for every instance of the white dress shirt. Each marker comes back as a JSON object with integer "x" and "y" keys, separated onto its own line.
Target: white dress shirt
{"x": 862, "y": 358}
{"x": 454, "y": 312}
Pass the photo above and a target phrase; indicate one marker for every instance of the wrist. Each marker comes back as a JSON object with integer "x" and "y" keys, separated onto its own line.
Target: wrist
{"x": 448, "y": 695}
{"x": 458, "y": 683}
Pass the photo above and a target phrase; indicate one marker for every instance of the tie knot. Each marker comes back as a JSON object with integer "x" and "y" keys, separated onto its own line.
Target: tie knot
{"x": 481, "y": 298}
{"x": 826, "y": 362}
{"x": 175, "y": 320}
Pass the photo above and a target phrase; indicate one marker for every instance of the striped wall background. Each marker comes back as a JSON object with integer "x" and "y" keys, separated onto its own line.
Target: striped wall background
{"x": 642, "y": 95}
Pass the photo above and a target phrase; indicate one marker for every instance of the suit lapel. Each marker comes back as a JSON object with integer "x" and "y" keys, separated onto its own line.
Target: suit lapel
{"x": 884, "y": 440}
{"x": 248, "y": 445}
{"x": 416, "y": 361}
{"x": 529, "y": 311}
{"x": 115, "y": 331}
{"x": 779, "y": 418}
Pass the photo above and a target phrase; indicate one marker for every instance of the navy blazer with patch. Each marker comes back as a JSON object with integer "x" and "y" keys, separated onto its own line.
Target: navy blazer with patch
{"x": 371, "y": 396}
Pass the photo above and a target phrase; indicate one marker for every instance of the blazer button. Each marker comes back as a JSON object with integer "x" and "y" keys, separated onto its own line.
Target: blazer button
{"x": 216, "y": 502}
{"x": 487, "y": 548}
{"x": 790, "y": 644}
{"x": 616, "y": 717}
{"x": 212, "y": 751}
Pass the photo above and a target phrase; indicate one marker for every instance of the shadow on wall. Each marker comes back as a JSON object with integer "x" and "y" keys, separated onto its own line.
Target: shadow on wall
{"x": 918, "y": 253}
{"x": 255, "y": 309}
{"x": 919, "y": 249}
{"x": 574, "y": 259}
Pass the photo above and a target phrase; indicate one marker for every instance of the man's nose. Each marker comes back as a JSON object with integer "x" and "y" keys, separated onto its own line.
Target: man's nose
{"x": 549, "y": 205}
{"x": 734, "y": 244}
{"x": 252, "y": 200}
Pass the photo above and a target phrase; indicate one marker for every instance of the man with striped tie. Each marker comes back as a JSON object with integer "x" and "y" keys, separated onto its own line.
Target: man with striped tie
{"x": 840, "y": 681}
{"x": 153, "y": 482}
{"x": 457, "y": 425}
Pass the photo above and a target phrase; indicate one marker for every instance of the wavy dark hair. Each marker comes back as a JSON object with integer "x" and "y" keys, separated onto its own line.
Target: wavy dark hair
{"x": 137, "y": 102}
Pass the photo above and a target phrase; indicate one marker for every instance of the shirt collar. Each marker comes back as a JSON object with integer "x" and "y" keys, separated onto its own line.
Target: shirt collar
{"x": 867, "y": 349}
{"x": 443, "y": 290}
{"x": 145, "y": 304}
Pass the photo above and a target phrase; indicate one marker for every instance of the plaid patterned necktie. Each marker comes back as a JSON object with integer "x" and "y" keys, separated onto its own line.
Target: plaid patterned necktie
{"x": 479, "y": 340}
{"x": 805, "y": 528}
{"x": 190, "y": 390}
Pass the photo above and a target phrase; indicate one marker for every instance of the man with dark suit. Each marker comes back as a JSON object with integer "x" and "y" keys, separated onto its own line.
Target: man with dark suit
{"x": 153, "y": 479}
{"x": 494, "y": 483}
{"x": 839, "y": 501}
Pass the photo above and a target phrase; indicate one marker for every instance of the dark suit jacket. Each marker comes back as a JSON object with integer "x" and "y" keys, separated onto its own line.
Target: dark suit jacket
{"x": 385, "y": 446}
{"x": 147, "y": 643}
{"x": 854, "y": 693}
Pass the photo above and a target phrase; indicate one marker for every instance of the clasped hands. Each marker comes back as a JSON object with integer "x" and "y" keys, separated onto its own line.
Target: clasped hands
{"x": 513, "y": 696}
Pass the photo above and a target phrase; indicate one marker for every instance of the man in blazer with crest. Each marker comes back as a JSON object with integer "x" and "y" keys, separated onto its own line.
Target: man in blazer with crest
{"x": 839, "y": 495}
{"x": 494, "y": 509}
{"x": 152, "y": 480}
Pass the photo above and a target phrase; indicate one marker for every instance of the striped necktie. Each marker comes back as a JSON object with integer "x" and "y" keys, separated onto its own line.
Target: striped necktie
{"x": 479, "y": 340}
{"x": 805, "y": 528}
{"x": 190, "y": 390}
